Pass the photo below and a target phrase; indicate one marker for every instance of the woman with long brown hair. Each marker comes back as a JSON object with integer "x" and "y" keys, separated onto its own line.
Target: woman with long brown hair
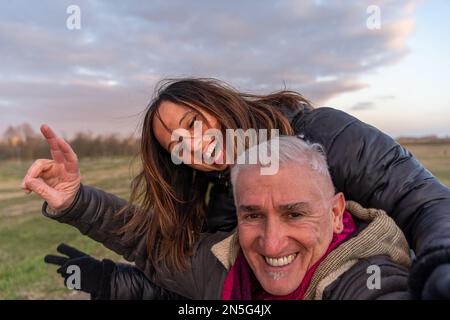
{"x": 171, "y": 205}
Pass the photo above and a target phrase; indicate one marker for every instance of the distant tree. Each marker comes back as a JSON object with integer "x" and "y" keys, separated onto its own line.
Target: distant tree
{"x": 26, "y": 132}
{"x": 22, "y": 142}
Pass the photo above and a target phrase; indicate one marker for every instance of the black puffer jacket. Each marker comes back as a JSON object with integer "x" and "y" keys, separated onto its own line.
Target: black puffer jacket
{"x": 368, "y": 166}
{"x": 129, "y": 283}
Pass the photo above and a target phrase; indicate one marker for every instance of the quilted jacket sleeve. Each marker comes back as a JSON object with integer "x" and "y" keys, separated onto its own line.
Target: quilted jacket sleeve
{"x": 369, "y": 167}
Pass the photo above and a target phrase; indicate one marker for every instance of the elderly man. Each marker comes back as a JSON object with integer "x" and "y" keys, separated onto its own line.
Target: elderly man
{"x": 296, "y": 239}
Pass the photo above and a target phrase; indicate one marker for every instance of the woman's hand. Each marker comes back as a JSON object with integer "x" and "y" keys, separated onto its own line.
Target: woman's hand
{"x": 57, "y": 181}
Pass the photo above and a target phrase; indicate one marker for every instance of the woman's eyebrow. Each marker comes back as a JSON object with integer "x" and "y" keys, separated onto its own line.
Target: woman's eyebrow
{"x": 184, "y": 116}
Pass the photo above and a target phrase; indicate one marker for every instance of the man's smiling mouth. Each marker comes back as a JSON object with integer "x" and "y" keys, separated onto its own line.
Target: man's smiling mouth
{"x": 281, "y": 261}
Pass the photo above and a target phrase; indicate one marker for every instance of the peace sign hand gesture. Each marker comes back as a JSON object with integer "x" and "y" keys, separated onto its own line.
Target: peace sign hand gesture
{"x": 57, "y": 181}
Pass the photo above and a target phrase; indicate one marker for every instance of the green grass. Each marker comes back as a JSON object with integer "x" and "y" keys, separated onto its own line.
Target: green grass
{"x": 435, "y": 157}
{"x": 23, "y": 247}
{"x": 26, "y": 236}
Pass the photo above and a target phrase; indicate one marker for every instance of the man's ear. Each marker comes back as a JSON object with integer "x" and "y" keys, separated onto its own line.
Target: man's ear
{"x": 338, "y": 208}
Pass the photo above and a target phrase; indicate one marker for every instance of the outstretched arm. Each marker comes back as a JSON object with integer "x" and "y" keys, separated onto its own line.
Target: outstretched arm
{"x": 58, "y": 182}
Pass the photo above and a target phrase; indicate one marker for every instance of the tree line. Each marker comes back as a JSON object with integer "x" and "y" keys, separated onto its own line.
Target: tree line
{"x": 21, "y": 142}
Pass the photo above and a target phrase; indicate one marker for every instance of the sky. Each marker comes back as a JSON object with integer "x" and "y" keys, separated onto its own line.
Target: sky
{"x": 99, "y": 78}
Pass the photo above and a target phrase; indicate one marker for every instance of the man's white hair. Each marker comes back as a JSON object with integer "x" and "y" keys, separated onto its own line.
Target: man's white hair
{"x": 292, "y": 150}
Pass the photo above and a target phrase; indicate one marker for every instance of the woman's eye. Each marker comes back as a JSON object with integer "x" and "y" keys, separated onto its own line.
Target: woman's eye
{"x": 191, "y": 124}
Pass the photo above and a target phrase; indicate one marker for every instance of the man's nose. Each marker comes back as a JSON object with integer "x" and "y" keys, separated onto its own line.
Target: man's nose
{"x": 274, "y": 238}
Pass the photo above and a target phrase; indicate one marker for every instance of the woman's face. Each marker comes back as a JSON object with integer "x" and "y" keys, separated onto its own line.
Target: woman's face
{"x": 174, "y": 116}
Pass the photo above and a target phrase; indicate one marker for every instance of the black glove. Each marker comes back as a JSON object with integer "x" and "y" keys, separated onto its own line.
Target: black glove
{"x": 437, "y": 286}
{"x": 95, "y": 275}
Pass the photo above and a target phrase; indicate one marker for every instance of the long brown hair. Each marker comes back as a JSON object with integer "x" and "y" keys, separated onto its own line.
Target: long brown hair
{"x": 169, "y": 200}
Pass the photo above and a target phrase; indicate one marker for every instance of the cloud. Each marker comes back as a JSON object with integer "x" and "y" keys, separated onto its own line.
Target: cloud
{"x": 320, "y": 48}
{"x": 360, "y": 106}
{"x": 386, "y": 97}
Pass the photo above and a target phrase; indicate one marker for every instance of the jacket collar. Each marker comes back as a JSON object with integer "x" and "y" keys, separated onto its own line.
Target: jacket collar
{"x": 292, "y": 113}
{"x": 219, "y": 177}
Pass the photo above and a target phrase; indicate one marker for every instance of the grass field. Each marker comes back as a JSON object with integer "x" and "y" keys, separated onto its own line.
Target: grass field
{"x": 26, "y": 236}
{"x": 435, "y": 158}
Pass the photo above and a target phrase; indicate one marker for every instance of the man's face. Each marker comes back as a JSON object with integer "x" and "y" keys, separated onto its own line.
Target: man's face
{"x": 285, "y": 223}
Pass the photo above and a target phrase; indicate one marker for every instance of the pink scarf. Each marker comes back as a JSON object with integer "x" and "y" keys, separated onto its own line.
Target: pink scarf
{"x": 241, "y": 283}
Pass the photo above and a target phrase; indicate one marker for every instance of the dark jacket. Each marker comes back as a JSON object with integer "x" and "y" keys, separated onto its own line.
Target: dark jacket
{"x": 129, "y": 283}
{"x": 366, "y": 165}
{"x": 342, "y": 274}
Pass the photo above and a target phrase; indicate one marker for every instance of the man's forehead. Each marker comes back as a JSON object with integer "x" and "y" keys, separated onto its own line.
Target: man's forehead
{"x": 291, "y": 184}
{"x": 286, "y": 174}
{"x": 285, "y": 182}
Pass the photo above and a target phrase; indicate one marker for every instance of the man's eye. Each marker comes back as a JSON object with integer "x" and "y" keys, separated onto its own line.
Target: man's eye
{"x": 252, "y": 216}
{"x": 295, "y": 215}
